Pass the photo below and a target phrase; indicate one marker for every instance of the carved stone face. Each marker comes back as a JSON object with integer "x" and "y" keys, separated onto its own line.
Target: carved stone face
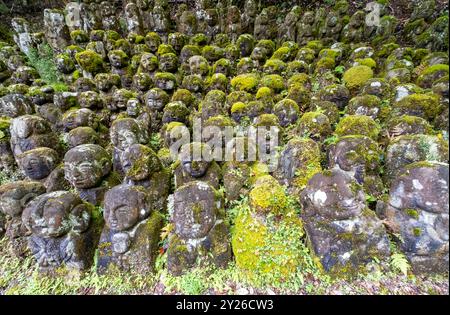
{"x": 125, "y": 206}
{"x": 156, "y": 99}
{"x": 153, "y": 42}
{"x": 195, "y": 167}
{"x": 121, "y": 97}
{"x": 90, "y": 99}
{"x": 142, "y": 81}
{"x": 259, "y": 53}
{"x": 176, "y": 40}
{"x": 168, "y": 63}
{"x": 308, "y": 18}
{"x": 125, "y": 132}
{"x": 14, "y": 197}
{"x": 198, "y": 65}
{"x": 195, "y": 209}
{"x": 118, "y": 59}
{"x": 134, "y": 107}
{"x": 86, "y": 165}
{"x": 140, "y": 162}
{"x": 29, "y": 132}
{"x": 80, "y": 118}
{"x": 55, "y": 214}
{"x": 38, "y": 163}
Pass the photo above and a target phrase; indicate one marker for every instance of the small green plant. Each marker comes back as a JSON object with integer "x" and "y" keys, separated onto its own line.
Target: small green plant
{"x": 155, "y": 142}
{"x": 400, "y": 263}
{"x": 43, "y": 62}
{"x": 339, "y": 70}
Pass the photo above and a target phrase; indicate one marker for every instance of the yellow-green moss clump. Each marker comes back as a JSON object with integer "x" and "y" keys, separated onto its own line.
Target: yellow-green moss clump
{"x": 355, "y": 77}
{"x": 432, "y": 74}
{"x": 273, "y": 81}
{"x": 263, "y": 244}
{"x": 90, "y": 61}
{"x": 422, "y": 105}
{"x": 268, "y": 197}
{"x": 245, "y": 82}
{"x": 369, "y": 62}
{"x": 238, "y": 107}
{"x": 358, "y": 125}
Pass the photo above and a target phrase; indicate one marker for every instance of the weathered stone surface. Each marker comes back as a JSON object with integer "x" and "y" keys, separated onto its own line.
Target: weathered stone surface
{"x": 417, "y": 210}
{"x": 344, "y": 234}
{"x": 64, "y": 231}
{"x": 129, "y": 240}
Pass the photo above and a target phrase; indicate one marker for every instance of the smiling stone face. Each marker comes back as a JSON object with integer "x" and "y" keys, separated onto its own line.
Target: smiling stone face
{"x": 195, "y": 167}
{"x": 125, "y": 206}
{"x": 86, "y": 165}
{"x": 140, "y": 162}
{"x": 38, "y": 163}
{"x": 125, "y": 132}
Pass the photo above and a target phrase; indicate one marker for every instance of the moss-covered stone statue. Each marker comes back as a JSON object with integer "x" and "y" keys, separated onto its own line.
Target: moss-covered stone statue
{"x": 130, "y": 239}
{"x": 200, "y": 236}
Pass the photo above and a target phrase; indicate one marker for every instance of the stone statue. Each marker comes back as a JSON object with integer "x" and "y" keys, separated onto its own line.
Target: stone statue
{"x": 87, "y": 167}
{"x": 200, "y": 235}
{"x": 64, "y": 232}
{"x": 129, "y": 240}
{"x": 14, "y": 197}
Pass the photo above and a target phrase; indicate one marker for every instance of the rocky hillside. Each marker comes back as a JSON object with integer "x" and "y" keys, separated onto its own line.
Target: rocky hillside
{"x": 216, "y": 146}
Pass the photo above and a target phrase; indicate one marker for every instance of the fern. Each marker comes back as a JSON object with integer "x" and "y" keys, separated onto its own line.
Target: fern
{"x": 400, "y": 263}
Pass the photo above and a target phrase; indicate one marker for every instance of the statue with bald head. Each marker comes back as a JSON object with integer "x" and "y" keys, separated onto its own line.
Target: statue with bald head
{"x": 87, "y": 167}
{"x": 129, "y": 240}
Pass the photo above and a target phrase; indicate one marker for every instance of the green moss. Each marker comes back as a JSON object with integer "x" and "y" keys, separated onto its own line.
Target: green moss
{"x": 199, "y": 39}
{"x": 212, "y": 52}
{"x": 282, "y": 53}
{"x": 258, "y": 170}
{"x": 245, "y": 82}
{"x": 369, "y": 62}
{"x": 425, "y": 105}
{"x": 325, "y": 63}
{"x": 355, "y": 77}
{"x": 79, "y": 36}
{"x": 273, "y": 81}
{"x": 432, "y": 73}
{"x": 413, "y": 213}
{"x": 165, "y": 49}
{"x": 300, "y": 78}
{"x": 417, "y": 231}
{"x": 315, "y": 45}
{"x": 264, "y": 92}
{"x": 263, "y": 247}
{"x": 90, "y": 61}
{"x": 385, "y": 50}
{"x": 358, "y": 125}
{"x": 275, "y": 65}
{"x": 238, "y": 107}
{"x": 44, "y": 63}
{"x": 329, "y": 53}
{"x": 219, "y": 120}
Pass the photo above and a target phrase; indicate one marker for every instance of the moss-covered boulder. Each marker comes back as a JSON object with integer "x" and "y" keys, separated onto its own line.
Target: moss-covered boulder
{"x": 266, "y": 238}
{"x": 90, "y": 61}
{"x": 358, "y": 125}
{"x": 355, "y": 77}
{"x": 344, "y": 235}
{"x": 422, "y": 105}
